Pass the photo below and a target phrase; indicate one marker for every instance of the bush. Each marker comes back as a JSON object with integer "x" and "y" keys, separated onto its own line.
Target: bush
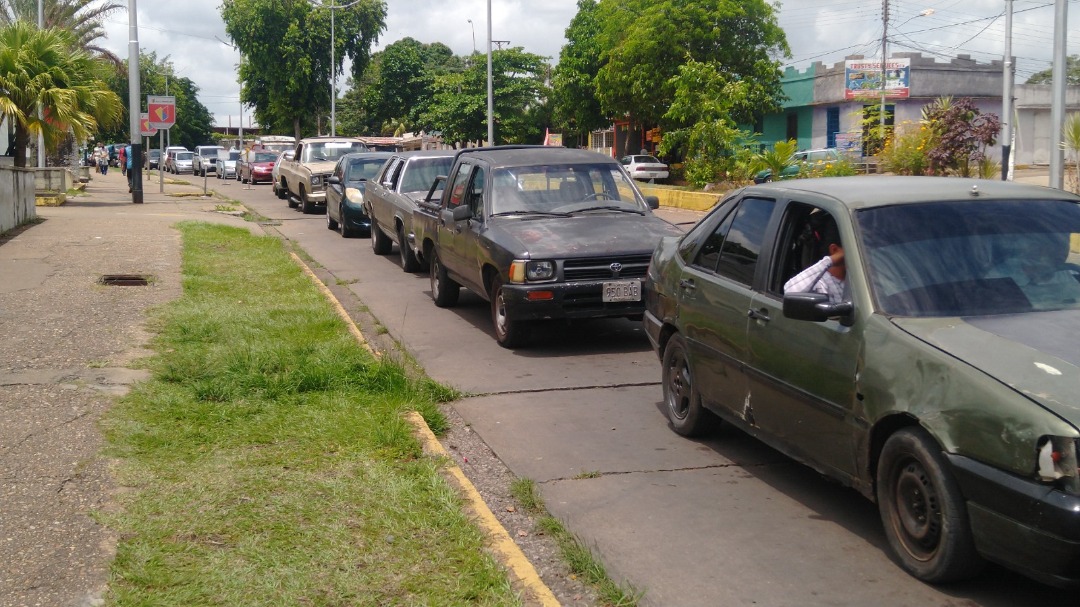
{"x": 905, "y": 151}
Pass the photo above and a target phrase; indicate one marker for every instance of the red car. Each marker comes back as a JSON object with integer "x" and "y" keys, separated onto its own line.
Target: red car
{"x": 256, "y": 165}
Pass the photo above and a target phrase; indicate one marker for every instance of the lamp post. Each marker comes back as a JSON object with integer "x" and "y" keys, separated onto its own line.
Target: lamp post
{"x": 490, "y": 94}
{"x": 41, "y": 134}
{"x": 473, "y": 28}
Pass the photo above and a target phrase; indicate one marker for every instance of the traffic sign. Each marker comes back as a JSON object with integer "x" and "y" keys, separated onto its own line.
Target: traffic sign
{"x": 162, "y": 111}
{"x": 144, "y": 126}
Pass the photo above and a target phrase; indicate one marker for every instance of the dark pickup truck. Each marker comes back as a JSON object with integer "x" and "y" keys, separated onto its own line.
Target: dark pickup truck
{"x": 541, "y": 233}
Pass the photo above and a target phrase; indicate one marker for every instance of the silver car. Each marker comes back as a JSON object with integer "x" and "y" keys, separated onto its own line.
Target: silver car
{"x": 226, "y": 164}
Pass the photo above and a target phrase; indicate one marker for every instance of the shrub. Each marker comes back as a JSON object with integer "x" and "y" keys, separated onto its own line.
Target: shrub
{"x": 905, "y": 151}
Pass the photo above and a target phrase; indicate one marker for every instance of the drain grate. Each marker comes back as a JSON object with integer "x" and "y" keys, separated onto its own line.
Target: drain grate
{"x": 125, "y": 280}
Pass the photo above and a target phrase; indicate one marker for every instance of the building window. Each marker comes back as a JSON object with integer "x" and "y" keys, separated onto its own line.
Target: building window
{"x": 832, "y": 126}
{"x": 793, "y": 126}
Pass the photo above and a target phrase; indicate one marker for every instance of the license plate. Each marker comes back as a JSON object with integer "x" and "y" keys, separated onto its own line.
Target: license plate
{"x": 622, "y": 290}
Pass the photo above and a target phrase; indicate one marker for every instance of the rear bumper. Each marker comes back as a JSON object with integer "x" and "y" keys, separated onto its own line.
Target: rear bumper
{"x": 1024, "y": 525}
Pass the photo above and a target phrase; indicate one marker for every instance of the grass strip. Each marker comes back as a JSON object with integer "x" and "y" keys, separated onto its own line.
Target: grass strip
{"x": 267, "y": 462}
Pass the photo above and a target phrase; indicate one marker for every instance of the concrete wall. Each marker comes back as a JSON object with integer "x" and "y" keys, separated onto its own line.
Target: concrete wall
{"x": 16, "y": 197}
{"x": 52, "y": 179}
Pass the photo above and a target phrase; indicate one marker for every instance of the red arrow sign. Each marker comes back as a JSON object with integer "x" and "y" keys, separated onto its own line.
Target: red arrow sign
{"x": 162, "y": 111}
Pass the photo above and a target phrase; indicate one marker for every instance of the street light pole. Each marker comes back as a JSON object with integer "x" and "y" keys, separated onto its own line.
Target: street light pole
{"x": 41, "y": 114}
{"x": 333, "y": 77}
{"x": 135, "y": 174}
{"x": 490, "y": 94}
{"x": 473, "y": 28}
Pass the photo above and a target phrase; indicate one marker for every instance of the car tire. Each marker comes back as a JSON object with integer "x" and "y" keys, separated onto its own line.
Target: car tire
{"x": 380, "y": 244}
{"x": 330, "y": 223}
{"x": 682, "y": 401}
{"x": 305, "y": 205}
{"x": 409, "y": 262}
{"x": 345, "y": 230}
{"x": 509, "y": 333}
{"x": 444, "y": 291}
{"x": 291, "y": 200}
{"x": 922, "y": 510}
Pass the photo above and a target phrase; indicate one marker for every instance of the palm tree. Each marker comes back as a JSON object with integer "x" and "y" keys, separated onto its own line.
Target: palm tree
{"x": 44, "y": 68}
{"x": 82, "y": 17}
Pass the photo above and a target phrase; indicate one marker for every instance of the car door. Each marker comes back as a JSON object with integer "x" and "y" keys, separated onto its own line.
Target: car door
{"x": 335, "y": 192}
{"x": 801, "y": 373}
{"x": 458, "y": 240}
{"x": 715, "y": 292}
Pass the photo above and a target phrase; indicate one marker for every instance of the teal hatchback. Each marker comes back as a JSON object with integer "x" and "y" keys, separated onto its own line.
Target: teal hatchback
{"x": 915, "y": 338}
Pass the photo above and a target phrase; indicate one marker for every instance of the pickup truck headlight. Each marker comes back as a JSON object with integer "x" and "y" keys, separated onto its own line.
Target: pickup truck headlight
{"x": 531, "y": 271}
{"x": 316, "y": 180}
{"x": 1057, "y": 463}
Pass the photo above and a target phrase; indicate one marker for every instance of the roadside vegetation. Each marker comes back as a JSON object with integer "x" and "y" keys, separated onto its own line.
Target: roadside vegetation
{"x": 266, "y": 462}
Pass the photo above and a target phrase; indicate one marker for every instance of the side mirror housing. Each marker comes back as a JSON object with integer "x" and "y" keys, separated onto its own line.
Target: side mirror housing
{"x": 461, "y": 213}
{"x": 816, "y": 307}
{"x": 334, "y": 180}
{"x": 653, "y": 202}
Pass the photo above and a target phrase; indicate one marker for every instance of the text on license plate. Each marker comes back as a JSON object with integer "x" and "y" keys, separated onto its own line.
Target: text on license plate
{"x": 622, "y": 290}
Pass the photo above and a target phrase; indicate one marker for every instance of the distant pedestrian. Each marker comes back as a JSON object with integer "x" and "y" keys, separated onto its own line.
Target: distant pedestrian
{"x": 126, "y": 164}
{"x": 123, "y": 160}
{"x": 102, "y": 157}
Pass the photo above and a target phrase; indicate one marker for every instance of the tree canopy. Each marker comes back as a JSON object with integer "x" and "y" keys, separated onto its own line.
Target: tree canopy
{"x": 575, "y": 105}
{"x": 1072, "y": 73}
{"x": 81, "y": 17}
{"x": 295, "y": 34}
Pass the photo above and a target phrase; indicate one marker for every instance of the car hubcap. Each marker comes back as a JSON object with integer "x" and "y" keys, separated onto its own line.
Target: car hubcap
{"x": 500, "y": 314}
{"x": 679, "y": 388}
{"x": 918, "y": 511}
{"x": 434, "y": 276}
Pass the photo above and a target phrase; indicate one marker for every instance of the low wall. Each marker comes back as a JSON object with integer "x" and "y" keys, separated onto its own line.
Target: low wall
{"x": 16, "y": 197}
{"x": 52, "y": 179}
{"x": 682, "y": 199}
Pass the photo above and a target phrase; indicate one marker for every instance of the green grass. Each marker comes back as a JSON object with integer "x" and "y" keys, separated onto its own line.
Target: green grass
{"x": 267, "y": 462}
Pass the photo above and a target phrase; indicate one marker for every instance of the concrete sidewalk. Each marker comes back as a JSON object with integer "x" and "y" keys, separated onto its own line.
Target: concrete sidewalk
{"x": 67, "y": 342}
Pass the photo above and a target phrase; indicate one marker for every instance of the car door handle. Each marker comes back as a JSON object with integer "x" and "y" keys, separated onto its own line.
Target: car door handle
{"x": 758, "y": 314}
{"x": 687, "y": 283}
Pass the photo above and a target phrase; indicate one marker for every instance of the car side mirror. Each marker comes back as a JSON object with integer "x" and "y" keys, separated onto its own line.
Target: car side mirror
{"x": 653, "y": 202}
{"x": 816, "y": 307}
{"x": 462, "y": 212}
{"x": 334, "y": 180}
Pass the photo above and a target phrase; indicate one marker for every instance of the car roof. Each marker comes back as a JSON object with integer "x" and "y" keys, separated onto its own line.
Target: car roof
{"x": 433, "y": 153}
{"x": 531, "y": 155}
{"x": 352, "y": 155}
{"x": 869, "y": 191}
{"x": 329, "y": 138}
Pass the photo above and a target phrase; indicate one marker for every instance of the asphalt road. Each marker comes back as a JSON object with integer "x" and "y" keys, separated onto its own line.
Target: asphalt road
{"x": 724, "y": 521}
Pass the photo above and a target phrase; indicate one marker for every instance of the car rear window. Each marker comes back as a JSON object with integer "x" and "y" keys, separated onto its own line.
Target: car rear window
{"x": 423, "y": 171}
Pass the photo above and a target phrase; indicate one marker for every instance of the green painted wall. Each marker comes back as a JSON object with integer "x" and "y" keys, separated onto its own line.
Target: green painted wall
{"x": 799, "y": 88}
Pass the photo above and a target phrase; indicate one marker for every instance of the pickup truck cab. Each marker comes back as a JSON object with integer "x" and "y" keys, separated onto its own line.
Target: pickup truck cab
{"x": 541, "y": 233}
{"x": 304, "y": 176}
{"x": 391, "y": 199}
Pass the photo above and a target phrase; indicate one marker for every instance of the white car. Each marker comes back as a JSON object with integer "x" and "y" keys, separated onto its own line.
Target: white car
{"x": 279, "y": 190}
{"x": 226, "y": 164}
{"x": 205, "y": 159}
{"x": 644, "y": 167}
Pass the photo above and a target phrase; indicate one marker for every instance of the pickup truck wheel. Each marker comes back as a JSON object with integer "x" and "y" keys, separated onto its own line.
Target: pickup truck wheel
{"x": 923, "y": 511}
{"x": 380, "y": 244}
{"x": 508, "y": 332}
{"x": 444, "y": 290}
{"x": 409, "y": 262}
{"x": 305, "y": 205}
{"x": 682, "y": 402}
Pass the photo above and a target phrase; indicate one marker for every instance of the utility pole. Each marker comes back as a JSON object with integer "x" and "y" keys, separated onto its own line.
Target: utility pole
{"x": 884, "y": 43}
{"x": 41, "y": 113}
{"x": 134, "y": 89}
{"x": 1057, "y": 107}
{"x": 490, "y": 94}
{"x": 1007, "y": 97}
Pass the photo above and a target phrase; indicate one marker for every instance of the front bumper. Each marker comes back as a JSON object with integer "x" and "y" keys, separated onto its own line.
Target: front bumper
{"x": 568, "y": 301}
{"x": 354, "y": 216}
{"x": 1027, "y": 526}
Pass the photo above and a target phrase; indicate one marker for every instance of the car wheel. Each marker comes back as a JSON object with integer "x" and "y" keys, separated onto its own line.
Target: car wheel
{"x": 444, "y": 291}
{"x": 766, "y": 179}
{"x": 409, "y": 262}
{"x": 289, "y": 198}
{"x": 682, "y": 402}
{"x": 922, "y": 510}
{"x": 345, "y": 230}
{"x": 305, "y": 205}
{"x": 330, "y": 223}
{"x": 509, "y": 333}
{"x": 380, "y": 244}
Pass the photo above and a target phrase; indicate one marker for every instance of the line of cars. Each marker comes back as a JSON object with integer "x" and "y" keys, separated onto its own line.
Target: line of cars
{"x": 941, "y": 383}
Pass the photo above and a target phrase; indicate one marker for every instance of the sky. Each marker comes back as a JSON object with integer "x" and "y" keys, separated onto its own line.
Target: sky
{"x": 192, "y": 34}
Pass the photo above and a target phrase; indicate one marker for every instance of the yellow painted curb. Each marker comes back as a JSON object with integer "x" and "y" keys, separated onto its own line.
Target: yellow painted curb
{"x": 508, "y": 552}
{"x": 681, "y": 199}
{"x": 337, "y": 306}
{"x": 53, "y": 200}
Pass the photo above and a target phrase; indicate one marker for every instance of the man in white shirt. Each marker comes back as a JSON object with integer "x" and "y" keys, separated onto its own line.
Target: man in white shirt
{"x": 829, "y": 274}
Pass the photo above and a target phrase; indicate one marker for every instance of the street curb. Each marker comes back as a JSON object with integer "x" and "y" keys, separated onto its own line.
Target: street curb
{"x": 506, "y": 551}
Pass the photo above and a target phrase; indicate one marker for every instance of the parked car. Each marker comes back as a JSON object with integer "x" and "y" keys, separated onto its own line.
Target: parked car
{"x": 941, "y": 384}
{"x": 539, "y": 232}
{"x": 345, "y": 188}
{"x": 205, "y": 159}
{"x": 179, "y": 162}
{"x": 257, "y": 165}
{"x": 644, "y": 167}
{"x": 153, "y": 159}
{"x": 805, "y": 160}
{"x": 226, "y": 164}
{"x": 304, "y": 175}
{"x": 275, "y": 182}
{"x": 392, "y": 197}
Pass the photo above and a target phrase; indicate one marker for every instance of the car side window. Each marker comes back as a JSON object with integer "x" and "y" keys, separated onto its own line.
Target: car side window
{"x": 458, "y": 188}
{"x": 393, "y": 173}
{"x": 742, "y": 242}
{"x": 476, "y": 193}
{"x": 797, "y": 246}
{"x": 339, "y": 169}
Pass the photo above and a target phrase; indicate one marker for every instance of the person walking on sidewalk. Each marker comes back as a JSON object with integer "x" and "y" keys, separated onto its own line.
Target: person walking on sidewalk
{"x": 126, "y": 163}
{"x": 123, "y": 160}
{"x": 102, "y": 159}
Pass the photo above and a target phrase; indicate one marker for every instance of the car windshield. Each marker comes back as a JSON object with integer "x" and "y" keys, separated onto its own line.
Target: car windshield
{"x": 330, "y": 150}
{"x": 363, "y": 169}
{"x": 422, "y": 172}
{"x": 232, "y": 155}
{"x": 184, "y": 155}
{"x": 565, "y": 188}
{"x": 265, "y": 157}
{"x": 973, "y": 258}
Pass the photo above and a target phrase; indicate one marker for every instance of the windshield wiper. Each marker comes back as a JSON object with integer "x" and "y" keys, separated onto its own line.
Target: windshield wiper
{"x": 540, "y": 213}
{"x": 610, "y": 208}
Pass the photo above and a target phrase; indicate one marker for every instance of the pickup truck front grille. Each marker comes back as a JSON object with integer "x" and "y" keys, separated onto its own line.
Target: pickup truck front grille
{"x": 605, "y": 268}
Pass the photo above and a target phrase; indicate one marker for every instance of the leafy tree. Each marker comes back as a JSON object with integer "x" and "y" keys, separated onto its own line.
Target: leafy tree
{"x": 194, "y": 122}
{"x": 645, "y": 41}
{"x": 44, "y": 67}
{"x": 82, "y": 17}
{"x": 285, "y": 73}
{"x": 961, "y": 135}
{"x": 459, "y": 106}
{"x": 1072, "y": 73}
{"x": 575, "y": 105}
